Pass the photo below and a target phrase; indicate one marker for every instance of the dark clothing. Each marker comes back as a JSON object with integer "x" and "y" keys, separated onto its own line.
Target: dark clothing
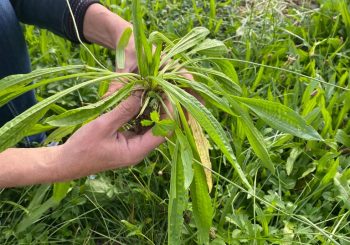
{"x": 53, "y": 15}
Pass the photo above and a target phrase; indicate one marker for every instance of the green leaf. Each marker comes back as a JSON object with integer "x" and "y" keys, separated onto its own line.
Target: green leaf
{"x": 60, "y": 191}
{"x": 208, "y": 122}
{"x": 204, "y": 91}
{"x": 15, "y": 91}
{"x": 147, "y": 123}
{"x": 210, "y": 47}
{"x": 191, "y": 39}
{"x": 138, "y": 32}
{"x": 257, "y": 142}
{"x": 227, "y": 68}
{"x": 14, "y": 130}
{"x": 38, "y": 197}
{"x": 280, "y": 117}
{"x": 80, "y": 115}
{"x": 186, "y": 157}
{"x": 163, "y": 127}
{"x": 344, "y": 10}
{"x": 157, "y": 37}
{"x": 292, "y": 158}
{"x": 35, "y": 215}
{"x": 221, "y": 82}
{"x": 156, "y": 59}
{"x": 342, "y": 138}
{"x": 259, "y": 76}
{"x": 177, "y": 201}
{"x": 39, "y": 128}
{"x": 141, "y": 45}
{"x": 254, "y": 136}
{"x": 58, "y": 134}
{"x": 120, "y": 50}
{"x": 201, "y": 204}
{"x": 341, "y": 181}
{"x": 155, "y": 116}
{"x": 23, "y": 79}
{"x": 331, "y": 172}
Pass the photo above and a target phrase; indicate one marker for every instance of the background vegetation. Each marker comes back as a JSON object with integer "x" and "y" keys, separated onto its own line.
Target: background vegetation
{"x": 293, "y": 52}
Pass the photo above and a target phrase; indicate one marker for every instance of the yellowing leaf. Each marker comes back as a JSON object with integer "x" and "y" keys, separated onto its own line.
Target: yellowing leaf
{"x": 203, "y": 146}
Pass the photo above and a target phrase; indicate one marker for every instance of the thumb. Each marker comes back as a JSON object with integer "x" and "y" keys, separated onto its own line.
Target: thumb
{"x": 124, "y": 112}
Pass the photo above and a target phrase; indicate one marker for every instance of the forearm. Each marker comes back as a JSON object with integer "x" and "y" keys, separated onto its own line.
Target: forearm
{"x": 28, "y": 166}
{"x": 21, "y": 166}
{"x": 103, "y": 27}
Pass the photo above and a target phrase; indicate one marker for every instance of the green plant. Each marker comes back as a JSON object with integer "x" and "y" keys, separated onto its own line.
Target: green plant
{"x": 217, "y": 82}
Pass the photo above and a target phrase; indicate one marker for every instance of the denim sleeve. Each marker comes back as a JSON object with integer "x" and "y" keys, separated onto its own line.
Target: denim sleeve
{"x": 54, "y": 15}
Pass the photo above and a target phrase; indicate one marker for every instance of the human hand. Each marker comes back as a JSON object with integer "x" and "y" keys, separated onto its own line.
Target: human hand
{"x": 101, "y": 146}
{"x": 96, "y": 147}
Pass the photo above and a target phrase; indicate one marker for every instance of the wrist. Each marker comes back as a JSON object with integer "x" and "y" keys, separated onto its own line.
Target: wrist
{"x": 116, "y": 27}
{"x": 103, "y": 27}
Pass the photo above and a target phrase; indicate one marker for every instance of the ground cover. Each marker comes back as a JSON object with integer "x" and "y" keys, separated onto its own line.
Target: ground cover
{"x": 292, "y": 52}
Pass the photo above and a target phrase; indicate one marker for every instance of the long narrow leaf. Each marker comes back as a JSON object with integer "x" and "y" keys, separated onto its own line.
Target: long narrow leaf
{"x": 79, "y": 115}
{"x": 281, "y": 117}
{"x": 21, "y": 79}
{"x": 254, "y": 136}
{"x": 204, "y": 91}
{"x": 177, "y": 201}
{"x": 195, "y": 36}
{"x": 9, "y": 133}
{"x": 139, "y": 37}
{"x": 120, "y": 50}
{"x": 201, "y": 204}
{"x": 209, "y": 124}
{"x": 210, "y": 47}
{"x": 15, "y": 91}
{"x": 186, "y": 158}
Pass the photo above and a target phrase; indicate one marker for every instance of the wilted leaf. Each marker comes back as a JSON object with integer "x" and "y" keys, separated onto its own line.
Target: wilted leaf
{"x": 203, "y": 146}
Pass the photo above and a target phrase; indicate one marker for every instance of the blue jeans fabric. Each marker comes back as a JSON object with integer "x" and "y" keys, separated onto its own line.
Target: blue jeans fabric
{"x": 14, "y": 59}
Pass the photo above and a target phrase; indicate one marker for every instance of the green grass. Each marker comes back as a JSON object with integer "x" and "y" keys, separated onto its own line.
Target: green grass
{"x": 294, "y": 54}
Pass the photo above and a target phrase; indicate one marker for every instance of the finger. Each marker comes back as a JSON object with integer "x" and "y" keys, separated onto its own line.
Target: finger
{"x": 113, "y": 86}
{"x": 167, "y": 109}
{"x": 186, "y": 74}
{"x": 142, "y": 145}
{"x": 124, "y": 112}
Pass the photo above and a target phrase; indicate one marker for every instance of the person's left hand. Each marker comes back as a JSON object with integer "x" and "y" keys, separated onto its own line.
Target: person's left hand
{"x": 102, "y": 146}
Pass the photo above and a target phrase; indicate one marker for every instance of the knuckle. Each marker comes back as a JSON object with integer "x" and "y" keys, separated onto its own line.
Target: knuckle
{"x": 130, "y": 106}
{"x": 127, "y": 108}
